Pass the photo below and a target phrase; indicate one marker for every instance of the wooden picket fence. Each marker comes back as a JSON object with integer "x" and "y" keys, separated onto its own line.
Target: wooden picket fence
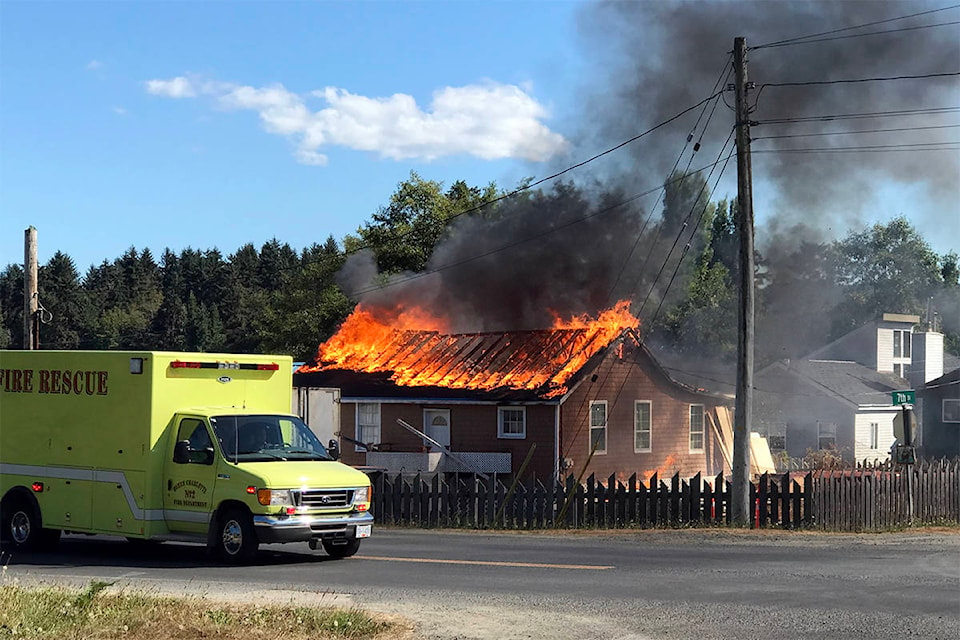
{"x": 848, "y": 500}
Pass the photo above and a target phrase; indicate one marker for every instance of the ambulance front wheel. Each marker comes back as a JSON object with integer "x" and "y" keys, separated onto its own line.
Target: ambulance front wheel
{"x": 236, "y": 539}
{"x": 22, "y": 528}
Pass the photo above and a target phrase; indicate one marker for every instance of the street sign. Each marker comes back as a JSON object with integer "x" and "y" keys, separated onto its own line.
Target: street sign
{"x": 903, "y": 397}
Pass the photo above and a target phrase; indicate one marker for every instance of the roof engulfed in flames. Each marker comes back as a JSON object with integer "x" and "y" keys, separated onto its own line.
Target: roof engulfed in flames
{"x": 414, "y": 349}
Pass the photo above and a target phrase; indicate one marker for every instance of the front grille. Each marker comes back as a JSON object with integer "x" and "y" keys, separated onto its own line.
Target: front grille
{"x": 326, "y": 498}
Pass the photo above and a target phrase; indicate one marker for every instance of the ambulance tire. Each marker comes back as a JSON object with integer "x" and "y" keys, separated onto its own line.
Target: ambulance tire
{"x": 235, "y": 538}
{"x": 21, "y": 526}
{"x": 341, "y": 550}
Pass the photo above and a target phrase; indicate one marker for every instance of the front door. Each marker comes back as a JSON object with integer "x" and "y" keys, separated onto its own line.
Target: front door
{"x": 436, "y": 424}
{"x": 190, "y": 478}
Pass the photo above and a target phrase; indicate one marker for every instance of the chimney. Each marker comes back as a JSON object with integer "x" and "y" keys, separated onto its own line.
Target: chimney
{"x": 926, "y": 361}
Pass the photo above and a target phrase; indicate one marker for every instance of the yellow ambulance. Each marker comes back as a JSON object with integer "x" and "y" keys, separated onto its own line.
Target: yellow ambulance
{"x": 158, "y": 446}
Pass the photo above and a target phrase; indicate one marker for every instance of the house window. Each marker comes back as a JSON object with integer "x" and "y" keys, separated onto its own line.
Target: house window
{"x": 696, "y": 427}
{"x": 598, "y": 426}
{"x": 827, "y": 436}
{"x": 368, "y": 423}
{"x": 898, "y": 369}
{"x": 777, "y": 437}
{"x": 511, "y": 422}
{"x": 951, "y": 410}
{"x": 874, "y": 435}
{"x": 901, "y": 343}
{"x": 641, "y": 426}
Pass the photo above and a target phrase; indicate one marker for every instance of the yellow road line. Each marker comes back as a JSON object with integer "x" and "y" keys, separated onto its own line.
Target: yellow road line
{"x": 482, "y": 563}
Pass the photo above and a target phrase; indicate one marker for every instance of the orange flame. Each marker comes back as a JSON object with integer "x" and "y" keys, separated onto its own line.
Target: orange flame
{"x": 600, "y": 332}
{"x": 415, "y": 348}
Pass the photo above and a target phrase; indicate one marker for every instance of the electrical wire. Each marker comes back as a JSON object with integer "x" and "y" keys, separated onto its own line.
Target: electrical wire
{"x": 856, "y": 80}
{"x": 725, "y": 72}
{"x": 858, "y": 35}
{"x": 920, "y": 146}
{"x": 859, "y": 26}
{"x": 721, "y": 79}
{"x": 686, "y": 222}
{"x": 846, "y": 133}
{"x": 860, "y": 116}
{"x": 623, "y": 383}
{"x": 362, "y": 245}
{"x": 686, "y": 248}
{"x": 422, "y": 274}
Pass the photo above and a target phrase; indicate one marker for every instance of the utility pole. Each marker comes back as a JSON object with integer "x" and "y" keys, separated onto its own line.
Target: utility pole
{"x": 31, "y": 296}
{"x": 743, "y": 413}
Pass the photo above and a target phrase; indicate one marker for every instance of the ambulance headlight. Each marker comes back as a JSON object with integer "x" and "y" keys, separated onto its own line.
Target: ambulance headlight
{"x": 361, "y": 498}
{"x": 275, "y": 497}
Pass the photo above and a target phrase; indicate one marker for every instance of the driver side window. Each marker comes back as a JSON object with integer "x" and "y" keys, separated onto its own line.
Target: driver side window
{"x": 195, "y": 432}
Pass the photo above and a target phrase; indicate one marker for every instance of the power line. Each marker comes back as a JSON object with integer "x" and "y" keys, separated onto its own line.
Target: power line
{"x": 859, "y": 26}
{"x": 921, "y": 146}
{"x": 361, "y": 246}
{"x": 856, "y": 80}
{"x": 417, "y": 276}
{"x": 845, "y": 133}
{"x": 861, "y": 116}
{"x": 684, "y": 225}
{"x": 720, "y": 81}
{"x": 861, "y": 35}
{"x": 686, "y": 248}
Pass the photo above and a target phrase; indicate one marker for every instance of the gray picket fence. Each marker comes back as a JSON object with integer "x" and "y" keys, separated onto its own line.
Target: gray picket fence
{"x": 864, "y": 499}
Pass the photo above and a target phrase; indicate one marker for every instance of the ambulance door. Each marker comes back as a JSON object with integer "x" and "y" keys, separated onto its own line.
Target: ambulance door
{"x": 190, "y": 474}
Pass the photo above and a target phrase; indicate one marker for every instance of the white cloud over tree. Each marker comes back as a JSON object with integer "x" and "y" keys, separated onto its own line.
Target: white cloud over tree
{"x": 489, "y": 121}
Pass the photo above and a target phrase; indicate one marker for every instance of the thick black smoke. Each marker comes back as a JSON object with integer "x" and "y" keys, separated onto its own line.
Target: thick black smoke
{"x": 568, "y": 251}
{"x": 663, "y": 56}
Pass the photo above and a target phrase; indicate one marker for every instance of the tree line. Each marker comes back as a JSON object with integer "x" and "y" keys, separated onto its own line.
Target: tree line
{"x": 277, "y": 299}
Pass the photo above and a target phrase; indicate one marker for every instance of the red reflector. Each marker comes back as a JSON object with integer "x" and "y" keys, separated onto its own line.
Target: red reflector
{"x": 179, "y": 364}
{"x": 37, "y": 487}
{"x": 251, "y": 490}
{"x": 291, "y": 511}
{"x": 273, "y": 366}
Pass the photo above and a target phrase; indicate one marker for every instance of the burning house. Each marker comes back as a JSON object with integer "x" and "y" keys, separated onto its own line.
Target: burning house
{"x": 583, "y": 395}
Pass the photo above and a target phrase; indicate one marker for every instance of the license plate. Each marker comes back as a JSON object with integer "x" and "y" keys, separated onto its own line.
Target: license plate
{"x": 363, "y": 530}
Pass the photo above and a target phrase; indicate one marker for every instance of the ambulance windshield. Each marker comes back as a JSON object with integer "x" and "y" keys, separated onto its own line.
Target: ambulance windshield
{"x": 262, "y": 438}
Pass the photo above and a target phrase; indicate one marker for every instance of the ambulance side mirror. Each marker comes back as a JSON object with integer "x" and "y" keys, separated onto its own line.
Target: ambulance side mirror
{"x": 333, "y": 448}
{"x": 181, "y": 452}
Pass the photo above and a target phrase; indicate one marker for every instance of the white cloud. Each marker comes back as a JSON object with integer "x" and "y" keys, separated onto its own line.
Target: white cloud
{"x": 93, "y": 65}
{"x": 120, "y": 111}
{"x": 179, "y": 87}
{"x": 489, "y": 121}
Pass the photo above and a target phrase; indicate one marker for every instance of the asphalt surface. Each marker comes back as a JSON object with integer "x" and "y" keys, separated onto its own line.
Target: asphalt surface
{"x": 701, "y": 584}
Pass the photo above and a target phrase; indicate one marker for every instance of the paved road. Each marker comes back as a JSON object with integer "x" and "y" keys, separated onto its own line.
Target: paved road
{"x": 625, "y": 586}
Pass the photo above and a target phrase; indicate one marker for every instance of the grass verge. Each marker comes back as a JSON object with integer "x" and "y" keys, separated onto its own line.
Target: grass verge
{"x": 59, "y": 613}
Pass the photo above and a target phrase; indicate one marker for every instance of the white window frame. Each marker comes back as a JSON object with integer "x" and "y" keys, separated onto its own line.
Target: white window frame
{"x": 637, "y": 430}
{"x": 905, "y": 336}
{"x": 359, "y": 430}
{"x": 698, "y": 430}
{"x": 943, "y": 409}
{"x": 874, "y": 436}
{"x": 501, "y": 432}
{"x": 598, "y": 427}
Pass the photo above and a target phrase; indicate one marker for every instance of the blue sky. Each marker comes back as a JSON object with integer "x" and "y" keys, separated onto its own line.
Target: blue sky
{"x": 98, "y": 163}
{"x": 213, "y": 124}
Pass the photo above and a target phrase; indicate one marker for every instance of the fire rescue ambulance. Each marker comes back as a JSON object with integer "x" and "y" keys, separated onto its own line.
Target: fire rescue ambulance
{"x": 157, "y": 446}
